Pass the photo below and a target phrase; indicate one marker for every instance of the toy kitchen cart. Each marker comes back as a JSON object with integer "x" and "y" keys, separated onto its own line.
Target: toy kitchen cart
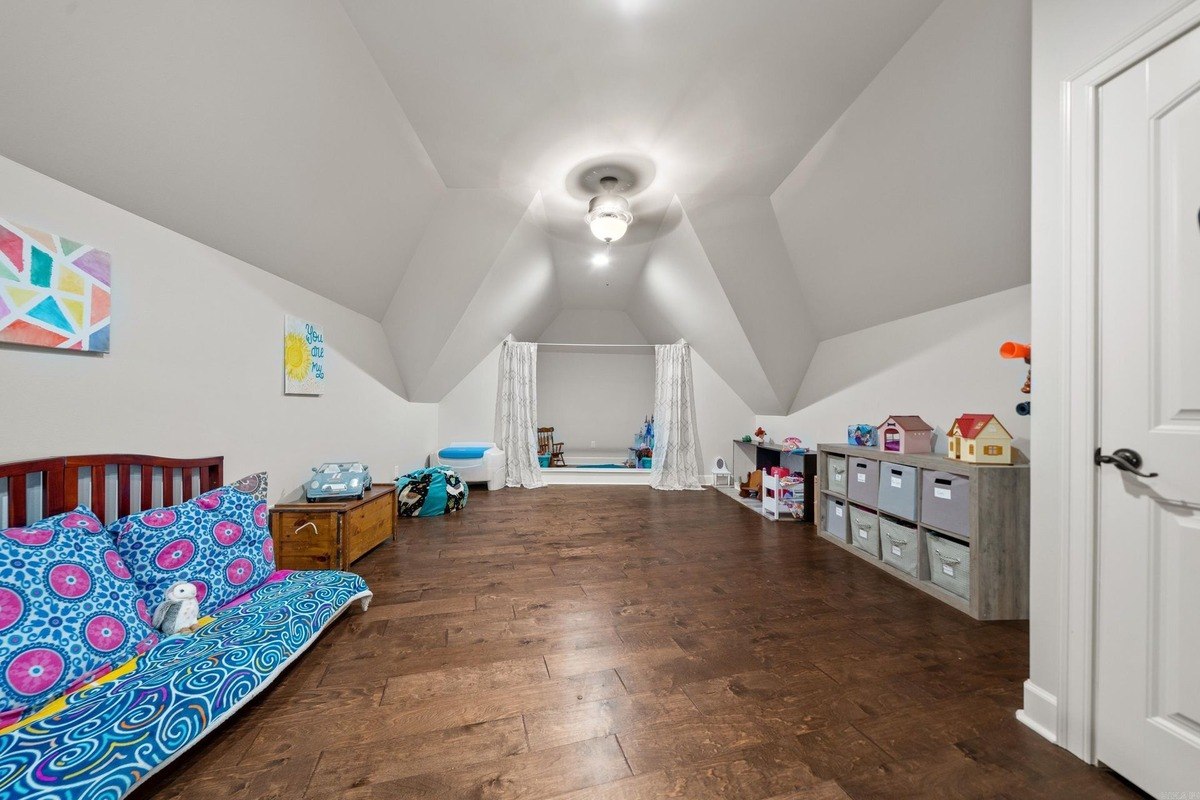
{"x": 956, "y": 531}
{"x": 757, "y": 456}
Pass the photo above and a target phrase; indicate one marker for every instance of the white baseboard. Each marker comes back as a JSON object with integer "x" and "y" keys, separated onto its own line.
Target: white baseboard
{"x": 572, "y": 476}
{"x": 1040, "y": 713}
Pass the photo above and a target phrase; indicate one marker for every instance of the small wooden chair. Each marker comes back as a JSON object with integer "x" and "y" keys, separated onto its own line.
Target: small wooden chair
{"x": 546, "y": 444}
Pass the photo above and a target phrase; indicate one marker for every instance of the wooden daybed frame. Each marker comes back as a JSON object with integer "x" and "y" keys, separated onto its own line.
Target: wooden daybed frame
{"x": 60, "y": 482}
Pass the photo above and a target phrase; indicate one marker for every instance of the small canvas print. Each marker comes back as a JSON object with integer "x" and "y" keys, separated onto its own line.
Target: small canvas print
{"x": 303, "y": 358}
{"x": 54, "y": 291}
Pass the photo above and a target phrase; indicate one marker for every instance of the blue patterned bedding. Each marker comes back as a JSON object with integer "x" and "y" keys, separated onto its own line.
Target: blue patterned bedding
{"x": 109, "y": 738}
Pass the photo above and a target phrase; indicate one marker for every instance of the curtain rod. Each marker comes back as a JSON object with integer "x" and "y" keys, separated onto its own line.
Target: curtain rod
{"x": 587, "y": 344}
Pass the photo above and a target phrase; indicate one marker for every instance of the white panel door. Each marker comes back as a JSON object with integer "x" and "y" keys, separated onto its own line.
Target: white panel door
{"x": 1148, "y": 595}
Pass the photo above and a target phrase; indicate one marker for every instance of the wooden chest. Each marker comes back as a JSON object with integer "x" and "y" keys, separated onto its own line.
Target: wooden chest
{"x": 333, "y": 535}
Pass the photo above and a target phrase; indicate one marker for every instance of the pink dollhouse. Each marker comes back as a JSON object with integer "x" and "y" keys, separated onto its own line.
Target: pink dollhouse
{"x": 905, "y": 435}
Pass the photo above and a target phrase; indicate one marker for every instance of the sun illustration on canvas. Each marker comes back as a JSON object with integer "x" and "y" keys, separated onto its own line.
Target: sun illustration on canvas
{"x": 303, "y": 357}
{"x": 297, "y": 361}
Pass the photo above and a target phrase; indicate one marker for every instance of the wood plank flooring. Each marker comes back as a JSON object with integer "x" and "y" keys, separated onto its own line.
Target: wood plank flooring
{"x": 616, "y": 642}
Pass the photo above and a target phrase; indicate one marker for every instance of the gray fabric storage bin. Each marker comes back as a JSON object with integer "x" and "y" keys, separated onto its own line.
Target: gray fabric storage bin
{"x": 864, "y": 530}
{"x": 950, "y": 565}
{"x": 900, "y": 545}
{"x": 863, "y": 486}
{"x": 835, "y": 472}
{"x": 945, "y": 501}
{"x": 835, "y": 517}
{"x": 898, "y": 489}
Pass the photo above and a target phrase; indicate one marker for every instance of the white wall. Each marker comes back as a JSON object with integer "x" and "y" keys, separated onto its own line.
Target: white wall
{"x": 937, "y": 365}
{"x": 468, "y": 410}
{"x": 598, "y": 398}
{"x": 196, "y": 362}
{"x": 1068, "y": 35}
{"x": 721, "y": 414}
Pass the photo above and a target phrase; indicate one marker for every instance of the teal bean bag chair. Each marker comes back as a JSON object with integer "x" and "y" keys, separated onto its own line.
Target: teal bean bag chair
{"x": 430, "y": 492}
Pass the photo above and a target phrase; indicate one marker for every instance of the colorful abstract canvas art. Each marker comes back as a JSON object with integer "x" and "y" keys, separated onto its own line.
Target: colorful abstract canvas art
{"x": 54, "y": 292}
{"x": 303, "y": 358}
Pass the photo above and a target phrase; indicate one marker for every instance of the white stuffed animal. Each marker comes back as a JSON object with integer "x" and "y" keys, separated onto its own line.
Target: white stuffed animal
{"x": 179, "y": 610}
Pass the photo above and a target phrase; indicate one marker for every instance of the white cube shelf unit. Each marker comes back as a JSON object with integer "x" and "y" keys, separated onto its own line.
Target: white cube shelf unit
{"x": 982, "y": 507}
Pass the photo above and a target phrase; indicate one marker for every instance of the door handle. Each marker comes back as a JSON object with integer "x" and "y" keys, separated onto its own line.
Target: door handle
{"x": 1125, "y": 460}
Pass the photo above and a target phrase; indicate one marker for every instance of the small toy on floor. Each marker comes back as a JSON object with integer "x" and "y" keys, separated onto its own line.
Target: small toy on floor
{"x": 752, "y": 485}
{"x": 179, "y": 611}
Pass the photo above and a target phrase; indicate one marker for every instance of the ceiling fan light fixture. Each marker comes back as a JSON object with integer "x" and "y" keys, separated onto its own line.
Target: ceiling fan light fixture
{"x": 608, "y": 227}
{"x": 608, "y": 214}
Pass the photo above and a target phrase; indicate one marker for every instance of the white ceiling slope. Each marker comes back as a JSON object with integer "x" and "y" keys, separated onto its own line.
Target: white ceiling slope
{"x": 680, "y": 296}
{"x": 518, "y": 295}
{"x": 918, "y": 197}
{"x": 745, "y": 248}
{"x": 812, "y": 166}
{"x": 520, "y": 93}
{"x": 460, "y": 248}
{"x": 263, "y": 132}
{"x": 592, "y": 326}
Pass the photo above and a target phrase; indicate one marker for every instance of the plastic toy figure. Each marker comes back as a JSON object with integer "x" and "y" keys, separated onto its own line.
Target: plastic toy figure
{"x": 1018, "y": 350}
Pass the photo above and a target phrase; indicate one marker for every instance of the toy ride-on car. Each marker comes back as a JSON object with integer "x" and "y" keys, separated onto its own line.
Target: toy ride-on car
{"x": 338, "y": 481}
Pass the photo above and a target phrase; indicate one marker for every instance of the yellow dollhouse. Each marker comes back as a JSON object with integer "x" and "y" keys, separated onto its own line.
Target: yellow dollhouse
{"x": 979, "y": 439}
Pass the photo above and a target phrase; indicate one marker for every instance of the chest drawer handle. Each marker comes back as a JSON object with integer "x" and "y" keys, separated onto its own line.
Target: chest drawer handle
{"x": 309, "y": 524}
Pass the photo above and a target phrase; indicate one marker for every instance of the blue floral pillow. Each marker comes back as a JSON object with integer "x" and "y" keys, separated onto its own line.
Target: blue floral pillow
{"x": 67, "y": 611}
{"x": 218, "y": 541}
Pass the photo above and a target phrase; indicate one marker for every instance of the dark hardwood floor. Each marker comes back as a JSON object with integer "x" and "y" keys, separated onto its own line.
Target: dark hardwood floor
{"x": 580, "y": 642}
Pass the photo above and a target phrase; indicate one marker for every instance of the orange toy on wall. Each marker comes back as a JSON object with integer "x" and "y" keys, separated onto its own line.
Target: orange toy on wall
{"x": 1018, "y": 350}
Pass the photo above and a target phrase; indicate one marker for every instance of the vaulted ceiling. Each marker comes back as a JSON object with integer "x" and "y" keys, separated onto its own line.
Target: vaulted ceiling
{"x": 809, "y": 167}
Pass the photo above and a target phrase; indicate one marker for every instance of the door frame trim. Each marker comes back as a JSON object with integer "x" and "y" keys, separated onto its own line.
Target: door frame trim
{"x": 1078, "y": 414}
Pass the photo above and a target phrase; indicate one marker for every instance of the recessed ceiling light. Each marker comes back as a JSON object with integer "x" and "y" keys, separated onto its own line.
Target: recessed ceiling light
{"x": 600, "y": 260}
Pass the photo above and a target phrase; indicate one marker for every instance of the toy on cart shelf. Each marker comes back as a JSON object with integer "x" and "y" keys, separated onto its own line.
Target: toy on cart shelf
{"x": 1018, "y": 350}
{"x": 792, "y": 444}
{"x": 795, "y": 485}
{"x": 979, "y": 439}
{"x": 905, "y": 434}
{"x": 862, "y": 435}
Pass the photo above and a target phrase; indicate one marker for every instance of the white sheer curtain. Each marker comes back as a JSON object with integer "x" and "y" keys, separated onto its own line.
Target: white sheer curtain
{"x": 676, "y": 445}
{"x": 516, "y": 414}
